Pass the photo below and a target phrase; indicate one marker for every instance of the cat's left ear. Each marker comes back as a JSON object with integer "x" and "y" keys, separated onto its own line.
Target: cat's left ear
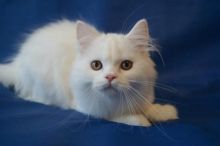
{"x": 85, "y": 34}
{"x": 139, "y": 33}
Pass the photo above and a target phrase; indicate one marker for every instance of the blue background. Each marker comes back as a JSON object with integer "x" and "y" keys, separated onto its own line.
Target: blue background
{"x": 188, "y": 33}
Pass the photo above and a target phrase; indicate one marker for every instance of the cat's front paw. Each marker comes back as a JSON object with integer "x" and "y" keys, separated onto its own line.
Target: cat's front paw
{"x": 157, "y": 112}
{"x": 135, "y": 120}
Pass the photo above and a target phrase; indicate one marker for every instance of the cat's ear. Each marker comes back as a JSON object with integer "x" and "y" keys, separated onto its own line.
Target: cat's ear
{"x": 139, "y": 33}
{"x": 85, "y": 33}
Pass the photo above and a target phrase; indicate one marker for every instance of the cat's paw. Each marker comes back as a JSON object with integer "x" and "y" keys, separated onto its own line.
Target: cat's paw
{"x": 157, "y": 112}
{"x": 135, "y": 120}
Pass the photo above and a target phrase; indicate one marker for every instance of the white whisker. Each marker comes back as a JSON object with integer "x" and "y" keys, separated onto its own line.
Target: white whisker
{"x": 155, "y": 84}
{"x": 130, "y": 102}
{"x": 144, "y": 99}
{"x": 122, "y": 103}
{"x": 138, "y": 105}
{"x": 127, "y": 102}
{"x": 143, "y": 112}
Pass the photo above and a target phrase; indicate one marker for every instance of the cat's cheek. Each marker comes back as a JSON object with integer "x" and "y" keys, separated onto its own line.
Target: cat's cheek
{"x": 129, "y": 75}
{"x": 122, "y": 82}
{"x": 98, "y": 82}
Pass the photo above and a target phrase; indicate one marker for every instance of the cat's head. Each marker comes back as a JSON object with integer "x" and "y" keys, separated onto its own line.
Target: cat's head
{"x": 111, "y": 64}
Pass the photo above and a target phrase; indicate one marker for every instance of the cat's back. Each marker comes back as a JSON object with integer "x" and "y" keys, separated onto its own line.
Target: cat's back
{"x": 44, "y": 62}
{"x": 54, "y": 40}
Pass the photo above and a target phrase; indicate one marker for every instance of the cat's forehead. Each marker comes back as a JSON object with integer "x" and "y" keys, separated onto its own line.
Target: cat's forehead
{"x": 117, "y": 41}
{"x": 113, "y": 46}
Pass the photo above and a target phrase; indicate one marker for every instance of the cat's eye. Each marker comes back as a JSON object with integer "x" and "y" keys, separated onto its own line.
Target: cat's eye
{"x": 126, "y": 64}
{"x": 96, "y": 65}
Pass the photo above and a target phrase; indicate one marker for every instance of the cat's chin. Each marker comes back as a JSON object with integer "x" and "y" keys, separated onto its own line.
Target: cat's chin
{"x": 108, "y": 89}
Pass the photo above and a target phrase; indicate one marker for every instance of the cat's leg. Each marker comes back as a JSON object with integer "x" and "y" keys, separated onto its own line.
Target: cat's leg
{"x": 154, "y": 113}
{"x": 33, "y": 89}
{"x": 136, "y": 120}
{"x": 159, "y": 113}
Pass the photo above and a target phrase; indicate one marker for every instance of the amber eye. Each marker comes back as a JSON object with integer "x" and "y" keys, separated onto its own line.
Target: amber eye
{"x": 126, "y": 64}
{"x": 96, "y": 65}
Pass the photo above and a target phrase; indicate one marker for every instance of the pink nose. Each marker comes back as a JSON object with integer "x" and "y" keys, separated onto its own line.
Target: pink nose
{"x": 110, "y": 77}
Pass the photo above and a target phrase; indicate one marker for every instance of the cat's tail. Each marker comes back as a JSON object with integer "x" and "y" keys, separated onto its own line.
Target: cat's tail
{"x": 8, "y": 74}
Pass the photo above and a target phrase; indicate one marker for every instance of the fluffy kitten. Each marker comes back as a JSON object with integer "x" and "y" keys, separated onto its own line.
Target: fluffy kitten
{"x": 72, "y": 65}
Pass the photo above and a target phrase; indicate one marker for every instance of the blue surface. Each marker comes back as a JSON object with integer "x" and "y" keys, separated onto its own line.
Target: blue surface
{"x": 189, "y": 35}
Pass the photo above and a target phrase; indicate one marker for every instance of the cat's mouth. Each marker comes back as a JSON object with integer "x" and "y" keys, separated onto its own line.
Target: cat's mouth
{"x": 109, "y": 87}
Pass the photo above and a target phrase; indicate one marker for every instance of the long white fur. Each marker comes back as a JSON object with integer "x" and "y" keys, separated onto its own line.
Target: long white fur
{"x": 53, "y": 67}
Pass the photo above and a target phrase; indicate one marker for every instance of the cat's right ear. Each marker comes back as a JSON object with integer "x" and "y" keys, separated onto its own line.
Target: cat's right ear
{"x": 85, "y": 34}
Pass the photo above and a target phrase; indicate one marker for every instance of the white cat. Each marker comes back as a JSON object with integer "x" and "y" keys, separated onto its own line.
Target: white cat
{"x": 72, "y": 65}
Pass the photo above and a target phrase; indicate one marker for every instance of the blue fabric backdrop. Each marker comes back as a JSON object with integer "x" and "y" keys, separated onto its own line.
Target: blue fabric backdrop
{"x": 189, "y": 36}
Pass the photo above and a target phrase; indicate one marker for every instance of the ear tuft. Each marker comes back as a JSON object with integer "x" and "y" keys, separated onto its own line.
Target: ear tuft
{"x": 139, "y": 33}
{"x": 85, "y": 33}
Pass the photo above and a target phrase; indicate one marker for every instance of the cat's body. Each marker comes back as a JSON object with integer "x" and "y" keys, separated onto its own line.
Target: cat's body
{"x": 71, "y": 65}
